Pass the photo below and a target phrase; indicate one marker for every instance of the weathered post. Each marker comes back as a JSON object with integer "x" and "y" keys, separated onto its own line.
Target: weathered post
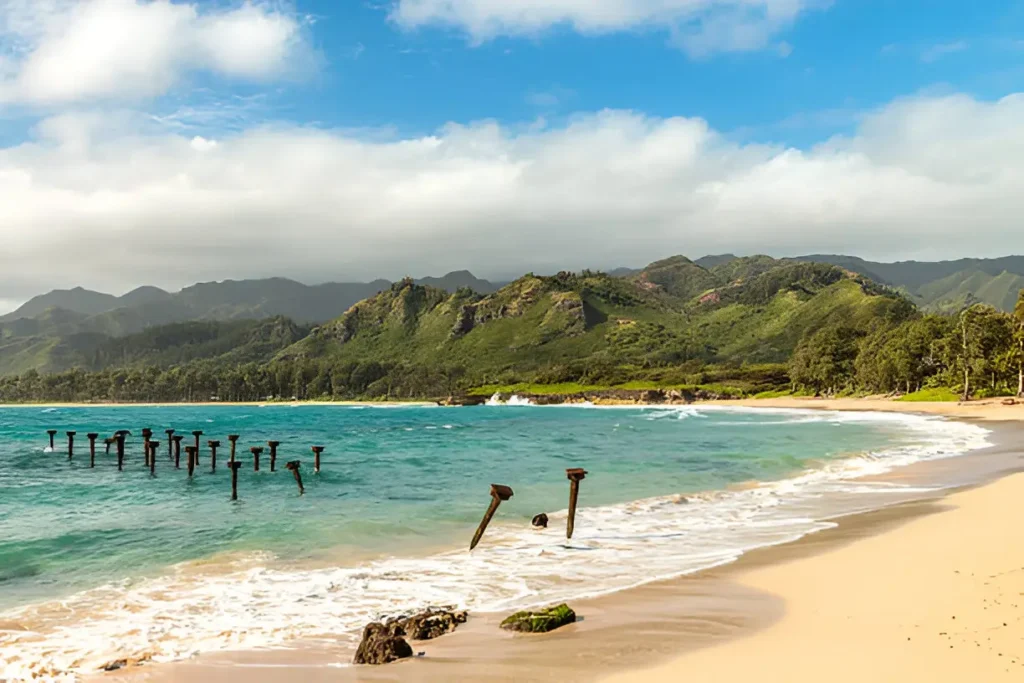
{"x": 233, "y": 438}
{"x": 198, "y": 433}
{"x": 177, "y": 451}
{"x": 191, "y": 452}
{"x": 108, "y": 442}
{"x": 170, "y": 443}
{"x": 71, "y": 444}
{"x": 120, "y": 450}
{"x": 146, "y": 434}
{"x": 152, "y": 456}
{"x": 234, "y": 465}
{"x": 92, "y": 448}
{"x": 273, "y": 454}
{"x": 317, "y": 450}
{"x": 294, "y": 467}
{"x": 52, "y": 433}
{"x": 499, "y": 493}
{"x": 214, "y": 445}
{"x": 575, "y": 475}
{"x": 256, "y": 450}
{"x": 540, "y": 521}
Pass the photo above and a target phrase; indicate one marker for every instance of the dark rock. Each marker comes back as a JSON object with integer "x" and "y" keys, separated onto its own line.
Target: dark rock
{"x": 540, "y": 621}
{"x": 381, "y": 646}
{"x": 540, "y": 521}
{"x": 465, "y": 321}
{"x": 432, "y": 624}
{"x": 115, "y": 665}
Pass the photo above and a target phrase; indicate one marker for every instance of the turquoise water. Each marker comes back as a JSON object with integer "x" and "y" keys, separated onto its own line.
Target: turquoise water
{"x": 400, "y": 494}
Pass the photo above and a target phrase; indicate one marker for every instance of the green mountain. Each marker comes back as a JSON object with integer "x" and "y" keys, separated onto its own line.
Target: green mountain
{"x": 595, "y": 327}
{"x": 228, "y": 300}
{"x": 943, "y": 285}
{"x": 224, "y": 343}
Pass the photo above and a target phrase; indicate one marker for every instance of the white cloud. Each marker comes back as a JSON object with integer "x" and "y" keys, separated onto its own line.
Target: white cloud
{"x": 67, "y": 51}
{"x": 108, "y": 203}
{"x": 701, "y": 27}
{"x": 934, "y": 53}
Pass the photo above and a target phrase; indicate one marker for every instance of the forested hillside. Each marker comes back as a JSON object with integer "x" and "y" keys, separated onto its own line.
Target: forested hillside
{"x": 734, "y": 326}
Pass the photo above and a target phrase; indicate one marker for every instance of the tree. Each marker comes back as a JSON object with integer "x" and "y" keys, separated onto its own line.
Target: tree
{"x": 983, "y": 334}
{"x": 824, "y": 361}
{"x": 1018, "y": 337}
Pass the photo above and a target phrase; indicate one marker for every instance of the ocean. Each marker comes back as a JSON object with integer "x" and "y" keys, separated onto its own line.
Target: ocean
{"x": 98, "y": 565}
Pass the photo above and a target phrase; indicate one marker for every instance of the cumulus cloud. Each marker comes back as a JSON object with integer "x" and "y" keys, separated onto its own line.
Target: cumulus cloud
{"x": 701, "y": 27}
{"x": 90, "y": 202}
{"x": 66, "y": 51}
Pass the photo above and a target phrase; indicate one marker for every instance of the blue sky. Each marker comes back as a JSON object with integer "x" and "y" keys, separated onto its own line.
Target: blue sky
{"x": 343, "y": 140}
{"x": 850, "y": 56}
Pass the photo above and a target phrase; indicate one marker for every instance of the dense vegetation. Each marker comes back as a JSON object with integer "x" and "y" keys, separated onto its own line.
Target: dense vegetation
{"x": 734, "y": 326}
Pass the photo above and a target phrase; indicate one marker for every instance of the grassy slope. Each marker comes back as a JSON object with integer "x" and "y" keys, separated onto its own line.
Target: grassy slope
{"x": 536, "y": 323}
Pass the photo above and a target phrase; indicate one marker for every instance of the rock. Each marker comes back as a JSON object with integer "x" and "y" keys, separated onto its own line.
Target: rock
{"x": 1009, "y": 402}
{"x": 380, "y": 645}
{"x": 540, "y": 621}
{"x": 540, "y": 521}
{"x": 432, "y": 624}
{"x": 115, "y": 665}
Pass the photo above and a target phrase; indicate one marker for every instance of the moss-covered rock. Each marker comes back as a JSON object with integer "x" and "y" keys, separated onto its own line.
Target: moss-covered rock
{"x": 540, "y": 621}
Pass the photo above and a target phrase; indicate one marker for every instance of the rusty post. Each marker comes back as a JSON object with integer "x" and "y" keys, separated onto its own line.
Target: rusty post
{"x": 575, "y": 476}
{"x": 233, "y": 438}
{"x": 92, "y": 448}
{"x": 499, "y": 493}
{"x": 71, "y": 444}
{"x": 214, "y": 445}
{"x": 152, "y": 456}
{"x": 256, "y": 450}
{"x": 316, "y": 460}
{"x": 198, "y": 433}
{"x": 146, "y": 434}
{"x": 273, "y": 454}
{"x": 177, "y": 451}
{"x": 191, "y": 452}
{"x": 170, "y": 443}
{"x": 294, "y": 467}
{"x": 120, "y": 450}
{"x": 52, "y": 433}
{"x": 234, "y": 465}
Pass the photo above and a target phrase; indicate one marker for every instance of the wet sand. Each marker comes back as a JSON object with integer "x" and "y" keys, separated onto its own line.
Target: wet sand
{"x": 837, "y": 605}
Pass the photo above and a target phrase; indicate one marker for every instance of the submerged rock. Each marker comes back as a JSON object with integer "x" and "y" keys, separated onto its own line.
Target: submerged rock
{"x": 380, "y": 645}
{"x": 540, "y": 621}
{"x": 540, "y": 521}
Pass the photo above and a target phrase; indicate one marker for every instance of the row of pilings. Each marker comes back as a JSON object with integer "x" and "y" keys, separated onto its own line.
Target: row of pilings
{"x": 499, "y": 492}
{"x": 150, "y": 447}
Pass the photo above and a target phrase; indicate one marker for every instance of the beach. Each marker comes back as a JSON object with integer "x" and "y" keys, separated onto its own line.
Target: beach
{"x": 865, "y": 582}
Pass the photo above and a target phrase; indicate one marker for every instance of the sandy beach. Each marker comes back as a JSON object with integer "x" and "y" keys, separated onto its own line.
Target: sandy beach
{"x": 926, "y": 590}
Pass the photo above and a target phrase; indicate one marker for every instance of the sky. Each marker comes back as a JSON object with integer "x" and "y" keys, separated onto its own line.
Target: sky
{"x": 166, "y": 142}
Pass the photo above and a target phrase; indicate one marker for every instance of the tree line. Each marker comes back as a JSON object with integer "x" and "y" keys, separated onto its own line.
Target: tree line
{"x": 977, "y": 352}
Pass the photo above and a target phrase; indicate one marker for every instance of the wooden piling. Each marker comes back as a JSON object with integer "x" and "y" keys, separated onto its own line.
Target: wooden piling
{"x": 52, "y": 433}
{"x": 575, "y": 476}
{"x": 108, "y": 442}
{"x": 170, "y": 443}
{"x": 146, "y": 434}
{"x": 273, "y": 454}
{"x": 177, "y": 451}
{"x": 198, "y": 433}
{"x": 256, "y": 450}
{"x": 233, "y": 438}
{"x": 71, "y": 444}
{"x": 152, "y": 445}
{"x": 294, "y": 467}
{"x": 191, "y": 452}
{"x": 92, "y": 448}
{"x": 214, "y": 445}
{"x": 234, "y": 465}
{"x": 317, "y": 450}
{"x": 120, "y": 451}
{"x": 499, "y": 493}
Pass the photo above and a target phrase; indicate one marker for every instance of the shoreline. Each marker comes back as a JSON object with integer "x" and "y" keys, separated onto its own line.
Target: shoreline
{"x": 628, "y": 631}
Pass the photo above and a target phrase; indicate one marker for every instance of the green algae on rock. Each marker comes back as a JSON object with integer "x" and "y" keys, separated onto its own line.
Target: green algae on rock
{"x": 540, "y": 621}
